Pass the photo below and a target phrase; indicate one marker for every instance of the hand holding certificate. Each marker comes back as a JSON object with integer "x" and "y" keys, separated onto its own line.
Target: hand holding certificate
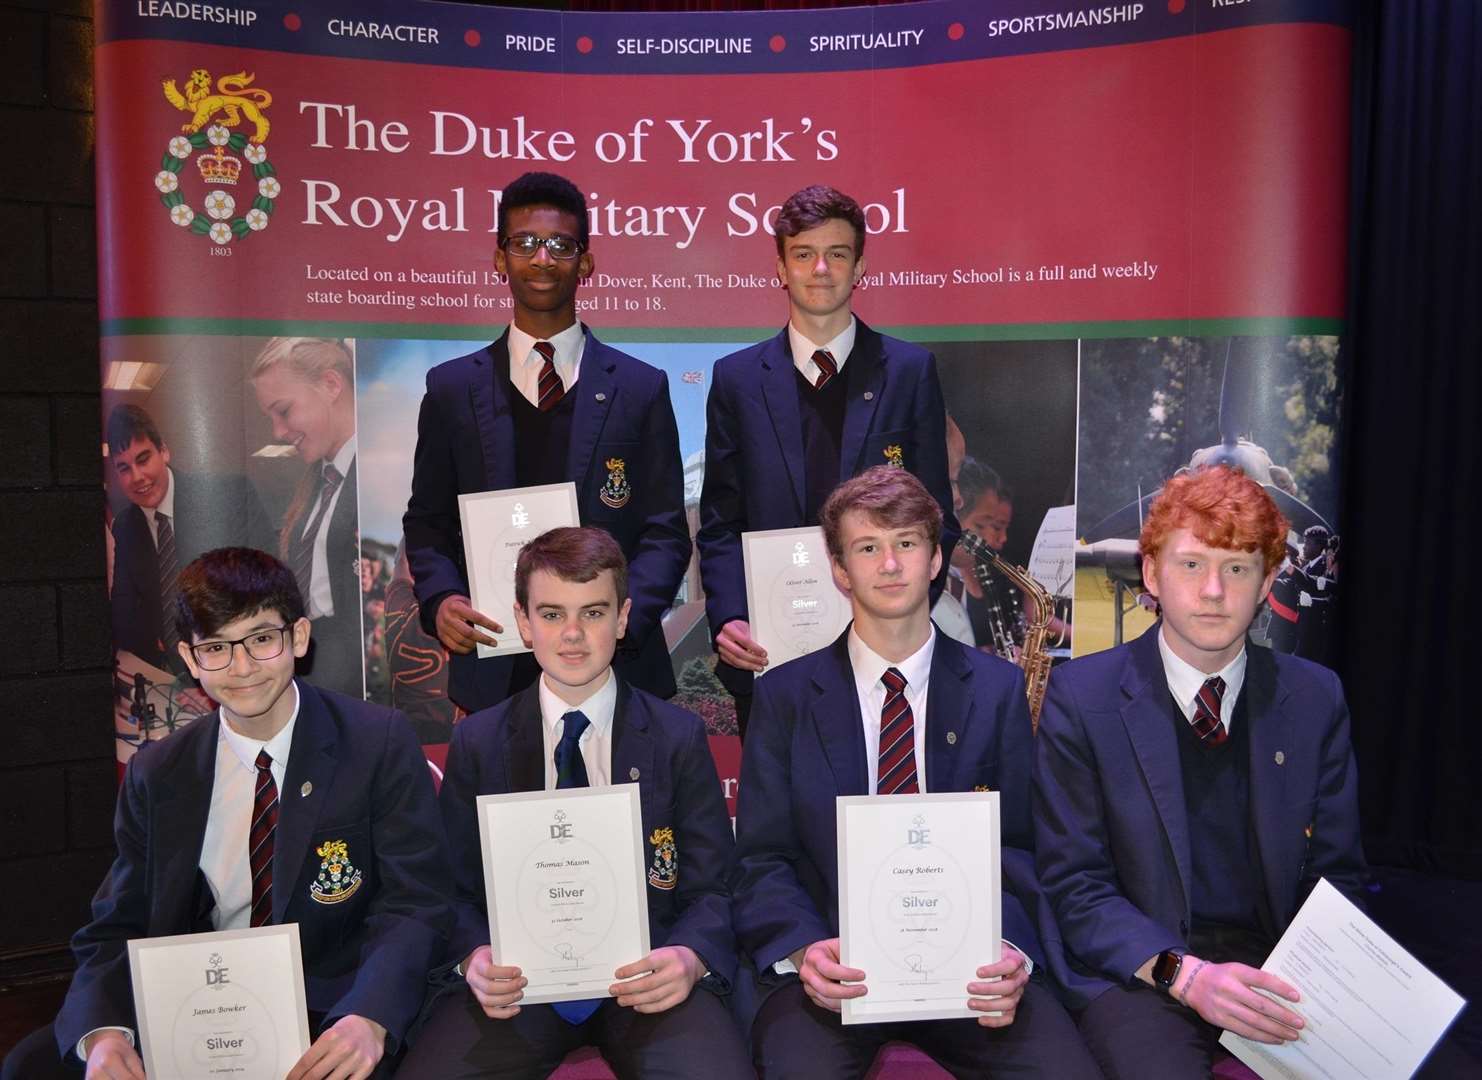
{"x": 1370, "y": 1010}
{"x": 222, "y": 1004}
{"x": 564, "y": 882}
{"x": 919, "y": 901}
{"x": 794, "y": 606}
{"x": 496, "y": 525}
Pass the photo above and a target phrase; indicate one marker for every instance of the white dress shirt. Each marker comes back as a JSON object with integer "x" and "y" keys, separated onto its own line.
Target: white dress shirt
{"x": 525, "y": 363}
{"x": 869, "y": 666}
{"x": 803, "y": 350}
{"x": 321, "y": 596}
{"x": 1185, "y": 681}
{"x": 596, "y": 741}
{"x": 166, "y": 507}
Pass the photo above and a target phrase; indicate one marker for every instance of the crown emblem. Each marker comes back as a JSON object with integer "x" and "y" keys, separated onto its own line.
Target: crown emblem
{"x": 219, "y": 168}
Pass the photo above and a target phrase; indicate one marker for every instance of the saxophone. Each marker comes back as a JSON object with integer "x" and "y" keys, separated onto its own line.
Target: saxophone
{"x": 1033, "y": 658}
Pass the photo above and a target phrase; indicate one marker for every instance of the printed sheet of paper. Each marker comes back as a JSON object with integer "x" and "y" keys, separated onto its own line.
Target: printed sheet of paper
{"x": 794, "y": 606}
{"x": 496, "y": 525}
{"x": 919, "y": 901}
{"x": 1372, "y": 1011}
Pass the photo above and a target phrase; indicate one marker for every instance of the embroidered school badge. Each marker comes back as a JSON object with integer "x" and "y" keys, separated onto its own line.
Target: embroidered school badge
{"x": 338, "y": 879}
{"x": 664, "y": 873}
{"x": 894, "y": 455}
{"x": 981, "y": 787}
{"x": 616, "y": 492}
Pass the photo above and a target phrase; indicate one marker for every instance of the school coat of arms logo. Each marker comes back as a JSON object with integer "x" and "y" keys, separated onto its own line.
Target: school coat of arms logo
{"x": 616, "y": 492}
{"x": 664, "y": 871}
{"x": 338, "y": 878}
{"x": 214, "y": 112}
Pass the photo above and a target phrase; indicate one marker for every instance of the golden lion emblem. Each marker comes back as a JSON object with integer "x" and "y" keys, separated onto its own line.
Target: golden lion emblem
{"x": 234, "y": 98}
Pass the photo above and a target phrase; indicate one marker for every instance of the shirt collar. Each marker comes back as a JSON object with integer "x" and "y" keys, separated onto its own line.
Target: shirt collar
{"x": 803, "y": 349}
{"x": 277, "y": 747}
{"x": 1184, "y": 679}
{"x": 870, "y": 665}
{"x": 167, "y": 504}
{"x": 598, "y": 708}
{"x": 568, "y": 343}
{"x": 343, "y": 459}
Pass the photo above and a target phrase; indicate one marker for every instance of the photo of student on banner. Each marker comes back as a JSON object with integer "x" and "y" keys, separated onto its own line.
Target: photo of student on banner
{"x": 305, "y": 387}
{"x": 163, "y": 516}
{"x": 1154, "y": 408}
{"x": 1011, "y": 459}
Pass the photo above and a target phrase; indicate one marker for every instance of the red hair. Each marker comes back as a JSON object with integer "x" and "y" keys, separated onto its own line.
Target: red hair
{"x": 1223, "y": 508}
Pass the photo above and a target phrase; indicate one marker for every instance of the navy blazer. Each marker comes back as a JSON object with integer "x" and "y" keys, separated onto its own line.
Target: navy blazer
{"x": 1111, "y": 824}
{"x": 466, "y": 443}
{"x": 366, "y": 783}
{"x": 210, "y": 512}
{"x": 806, "y": 745}
{"x": 755, "y": 474}
{"x": 502, "y": 749}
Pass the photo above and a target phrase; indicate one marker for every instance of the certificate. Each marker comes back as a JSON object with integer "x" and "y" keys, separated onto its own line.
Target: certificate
{"x": 496, "y": 525}
{"x": 1372, "y": 1010}
{"x": 563, "y": 873}
{"x": 794, "y": 606}
{"x": 919, "y": 901}
{"x": 223, "y": 1004}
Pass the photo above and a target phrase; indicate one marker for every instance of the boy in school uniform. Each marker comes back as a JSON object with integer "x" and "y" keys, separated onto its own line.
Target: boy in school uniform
{"x": 580, "y": 725}
{"x": 891, "y": 707}
{"x": 204, "y": 842}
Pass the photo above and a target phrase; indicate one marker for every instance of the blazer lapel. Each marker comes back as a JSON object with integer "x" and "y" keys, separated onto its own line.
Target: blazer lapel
{"x": 489, "y": 395}
{"x": 1147, "y": 716}
{"x": 179, "y": 824}
{"x": 950, "y": 702}
{"x": 1279, "y": 835}
{"x": 835, "y": 710}
{"x": 524, "y": 748}
{"x": 306, "y": 782}
{"x": 780, "y": 390}
{"x": 866, "y": 371}
{"x": 596, "y": 390}
{"x": 632, "y": 746}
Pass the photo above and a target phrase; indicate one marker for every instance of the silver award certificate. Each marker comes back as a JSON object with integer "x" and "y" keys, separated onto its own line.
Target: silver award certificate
{"x": 919, "y": 901}
{"x": 563, "y": 874}
{"x": 794, "y": 607}
{"x": 496, "y": 525}
{"x": 223, "y": 1004}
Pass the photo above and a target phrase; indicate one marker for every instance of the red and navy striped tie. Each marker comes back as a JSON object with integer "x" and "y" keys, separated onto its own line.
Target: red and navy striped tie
{"x": 548, "y": 391}
{"x": 827, "y": 369}
{"x": 1207, "y": 723}
{"x": 260, "y": 840}
{"x": 897, "y": 773}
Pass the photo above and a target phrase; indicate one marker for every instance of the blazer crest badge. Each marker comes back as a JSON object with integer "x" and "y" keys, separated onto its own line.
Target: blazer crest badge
{"x": 664, "y": 871}
{"x": 894, "y": 455}
{"x": 616, "y": 492}
{"x": 338, "y": 878}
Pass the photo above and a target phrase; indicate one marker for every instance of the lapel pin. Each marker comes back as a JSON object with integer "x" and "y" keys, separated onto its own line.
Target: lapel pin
{"x": 303, "y": 792}
{"x": 1280, "y": 757}
{"x": 869, "y": 395}
{"x": 601, "y": 396}
{"x": 633, "y": 773}
{"x": 951, "y": 738}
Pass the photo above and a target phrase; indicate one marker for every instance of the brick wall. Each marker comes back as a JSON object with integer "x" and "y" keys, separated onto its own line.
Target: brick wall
{"x": 56, "y": 755}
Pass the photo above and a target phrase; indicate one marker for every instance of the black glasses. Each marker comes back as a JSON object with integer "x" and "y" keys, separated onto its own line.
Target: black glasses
{"x": 260, "y": 645}
{"x": 559, "y": 246}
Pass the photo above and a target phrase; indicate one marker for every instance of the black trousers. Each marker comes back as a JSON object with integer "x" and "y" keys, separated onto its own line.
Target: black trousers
{"x": 792, "y": 1037}
{"x": 695, "y": 1038}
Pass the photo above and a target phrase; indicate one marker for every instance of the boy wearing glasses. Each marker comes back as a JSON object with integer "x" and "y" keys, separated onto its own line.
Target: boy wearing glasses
{"x": 544, "y": 404}
{"x": 231, "y": 822}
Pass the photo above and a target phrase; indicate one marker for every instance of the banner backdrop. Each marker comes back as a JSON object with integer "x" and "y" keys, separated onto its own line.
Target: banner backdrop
{"x": 1120, "y": 228}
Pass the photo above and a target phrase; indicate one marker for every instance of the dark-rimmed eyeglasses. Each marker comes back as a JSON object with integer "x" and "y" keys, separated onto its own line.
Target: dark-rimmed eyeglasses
{"x": 558, "y": 246}
{"x": 260, "y": 645}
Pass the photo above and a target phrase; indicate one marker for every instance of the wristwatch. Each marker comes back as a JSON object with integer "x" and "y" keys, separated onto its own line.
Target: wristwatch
{"x": 1165, "y": 969}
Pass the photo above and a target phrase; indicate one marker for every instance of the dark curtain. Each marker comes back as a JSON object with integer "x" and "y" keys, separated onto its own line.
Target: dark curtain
{"x": 1409, "y": 551}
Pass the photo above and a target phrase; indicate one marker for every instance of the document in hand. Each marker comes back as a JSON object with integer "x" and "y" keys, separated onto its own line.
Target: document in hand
{"x": 229, "y": 1003}
{"x": 919, "y": 901}
{"x": 1373, "y": 1012}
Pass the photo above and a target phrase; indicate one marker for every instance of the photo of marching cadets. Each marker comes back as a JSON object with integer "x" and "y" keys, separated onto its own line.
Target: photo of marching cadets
{"x": 1167, "y": 800}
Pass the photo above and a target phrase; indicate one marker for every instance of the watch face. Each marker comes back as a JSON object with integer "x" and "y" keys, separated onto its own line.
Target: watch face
{"x": 1165, "y": 970}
